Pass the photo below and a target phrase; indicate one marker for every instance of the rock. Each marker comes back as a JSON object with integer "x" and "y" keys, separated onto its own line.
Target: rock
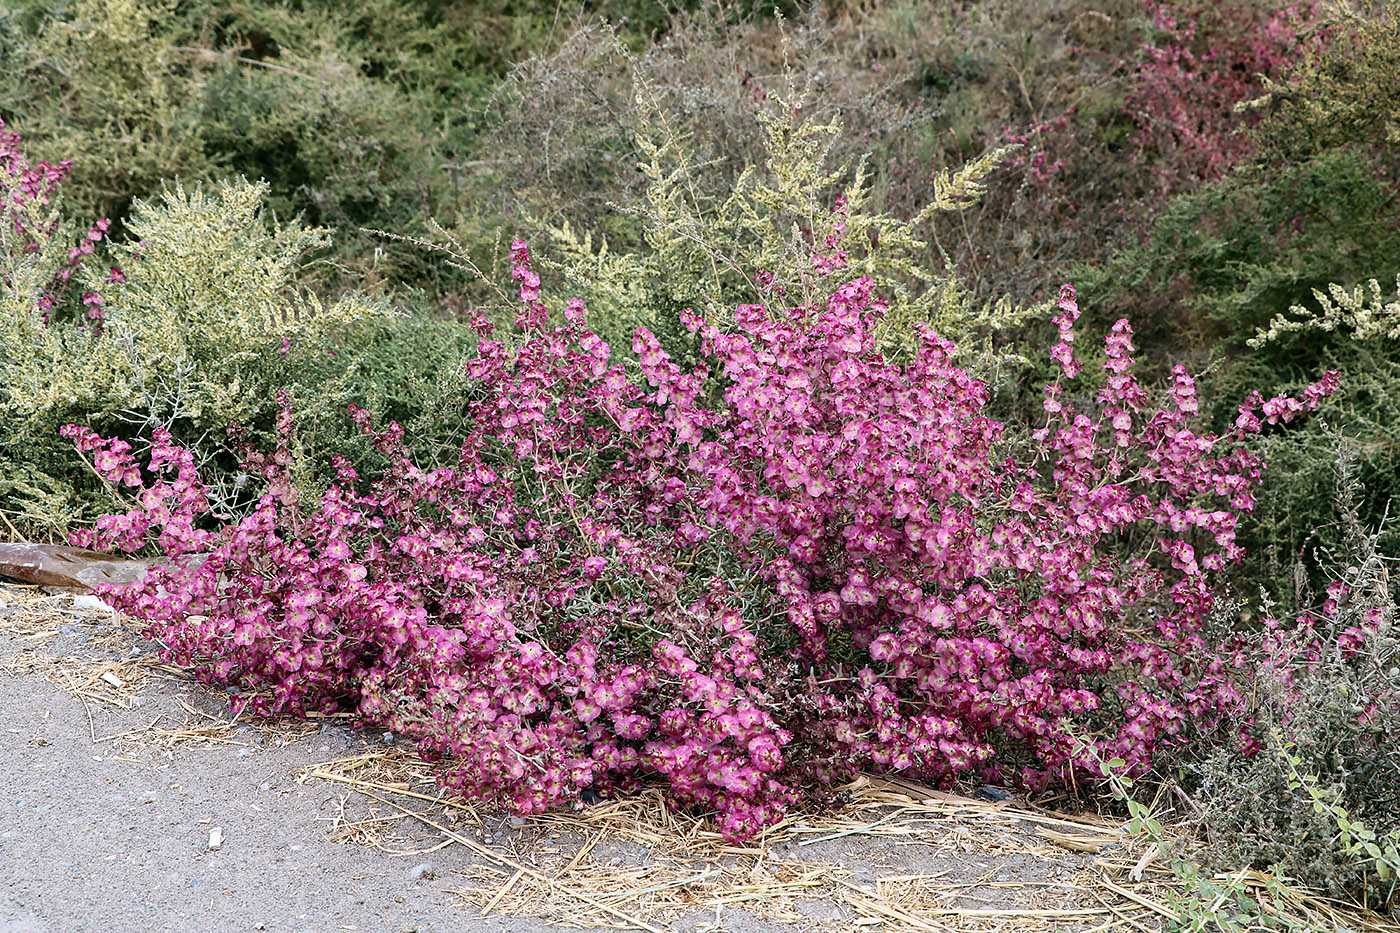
{"x": 388, "y": 738}
{"x": 421, "y": 871}
{"x": 994, "y": 794}
{"x": 87, "y": 601}
{"x": 60, "y": 565}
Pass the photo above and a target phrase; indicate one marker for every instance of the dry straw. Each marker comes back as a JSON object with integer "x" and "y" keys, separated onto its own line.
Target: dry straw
{"x": 638, "y": 863}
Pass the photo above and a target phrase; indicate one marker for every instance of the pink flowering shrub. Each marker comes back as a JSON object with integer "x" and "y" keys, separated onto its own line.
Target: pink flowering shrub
{"x": 746, "y": 580}
{"x": 1202, "y": 61}
{"x": 1035, "y": 157}
{"x": 33, "y": 228}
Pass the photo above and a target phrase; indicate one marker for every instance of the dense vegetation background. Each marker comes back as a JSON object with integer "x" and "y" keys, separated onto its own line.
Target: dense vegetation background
{"x": 218, "y": 213}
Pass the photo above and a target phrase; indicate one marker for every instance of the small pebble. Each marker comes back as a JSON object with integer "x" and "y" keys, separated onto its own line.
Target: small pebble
{"x": 517, "y": 821}
{"x": 421, "y": 871}
{"x": 988, "y": 792}
{"x": 388, "y": 738}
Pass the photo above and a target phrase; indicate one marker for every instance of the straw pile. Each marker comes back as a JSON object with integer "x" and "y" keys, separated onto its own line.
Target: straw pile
{"x": 636, "y": 863}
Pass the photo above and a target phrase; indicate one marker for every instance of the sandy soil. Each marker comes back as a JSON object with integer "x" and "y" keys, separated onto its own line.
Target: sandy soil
{"x": 115, "y": 773}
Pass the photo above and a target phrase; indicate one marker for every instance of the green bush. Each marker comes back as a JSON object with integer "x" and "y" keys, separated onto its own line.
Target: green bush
{"x": 207, "y": 325}
{"x": 101, "y": 83}
{"x": 1316, "y": 794}
{"x": 762, "y": 243}
{"x": 1345, "y": 93}
{"x": 356, "y": 115}
{"x": 1220, "y": 265}
{"x": 1222, "y": 261}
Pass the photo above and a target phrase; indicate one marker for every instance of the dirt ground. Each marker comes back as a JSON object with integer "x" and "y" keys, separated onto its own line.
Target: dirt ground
{"x": 132, "y": 800}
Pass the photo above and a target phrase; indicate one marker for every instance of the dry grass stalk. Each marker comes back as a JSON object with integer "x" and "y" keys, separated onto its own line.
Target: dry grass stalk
{"x": 683, "y": 866}
{"x": 562, "y": 872}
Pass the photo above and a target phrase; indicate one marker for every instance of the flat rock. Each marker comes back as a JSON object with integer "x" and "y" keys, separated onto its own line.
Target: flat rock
{"x": 61, "y": 565}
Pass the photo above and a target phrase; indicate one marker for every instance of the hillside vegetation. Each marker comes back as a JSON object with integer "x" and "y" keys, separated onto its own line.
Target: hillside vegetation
{"x": 733, "y": 397}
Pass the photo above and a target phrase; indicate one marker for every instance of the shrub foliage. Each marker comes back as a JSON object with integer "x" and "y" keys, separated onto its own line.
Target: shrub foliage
{"x": 193, "y": 322}
{"x": 835, "y": 564}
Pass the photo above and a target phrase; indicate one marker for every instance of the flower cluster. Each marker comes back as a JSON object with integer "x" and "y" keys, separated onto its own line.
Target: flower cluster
{"x": 1201, "y": 62}
{"x": 28, "y": 192}
{"x": 746, "y": 579}
{"x": 1035, "y": 145}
